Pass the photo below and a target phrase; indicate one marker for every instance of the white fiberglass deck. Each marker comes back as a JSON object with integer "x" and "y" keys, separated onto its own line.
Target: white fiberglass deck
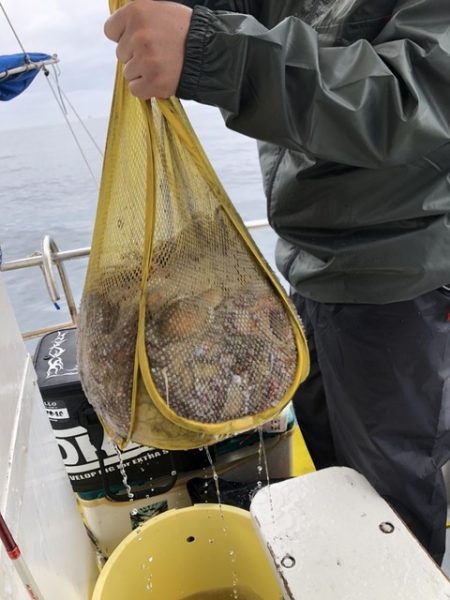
{"x": 332, "y": 537}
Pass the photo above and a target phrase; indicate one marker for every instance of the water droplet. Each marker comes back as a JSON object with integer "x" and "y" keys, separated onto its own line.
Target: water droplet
{"x": 123, "y": 474}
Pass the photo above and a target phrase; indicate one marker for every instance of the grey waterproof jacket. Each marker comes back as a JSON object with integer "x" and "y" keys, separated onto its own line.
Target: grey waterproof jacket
{"x": 350, "y": 102}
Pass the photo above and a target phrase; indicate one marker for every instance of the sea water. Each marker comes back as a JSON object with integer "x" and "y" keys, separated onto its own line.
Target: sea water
{"x": 47, "y": 189}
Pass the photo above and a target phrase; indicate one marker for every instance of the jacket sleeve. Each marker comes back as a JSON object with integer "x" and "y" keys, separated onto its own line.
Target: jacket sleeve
{"x": 246, "y": 7}
{"x": 366, "y": 104}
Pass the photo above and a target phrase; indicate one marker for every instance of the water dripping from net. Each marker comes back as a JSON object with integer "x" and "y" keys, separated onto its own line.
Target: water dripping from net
{"x": 123, "y": 474}
{"x": 216, "y": 483}
{"x": 235, "y": 579}
{"x": 262, "y": 457}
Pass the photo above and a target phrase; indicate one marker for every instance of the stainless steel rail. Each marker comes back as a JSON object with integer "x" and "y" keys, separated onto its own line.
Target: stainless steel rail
{"x": 50, "y": 256}
{"x": 29, "y": 66}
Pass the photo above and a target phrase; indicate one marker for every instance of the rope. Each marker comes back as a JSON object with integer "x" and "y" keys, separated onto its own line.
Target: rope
{"x": 59, "y": 97}
{"x": 88, "y": 133}
{"x": 64, "y": 112}
{"x": 14, "y": 32}
{"x": 65, "y": 100}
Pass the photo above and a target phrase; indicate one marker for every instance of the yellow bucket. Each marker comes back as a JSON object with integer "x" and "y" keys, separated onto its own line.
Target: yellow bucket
{"x": 203, "y": 552}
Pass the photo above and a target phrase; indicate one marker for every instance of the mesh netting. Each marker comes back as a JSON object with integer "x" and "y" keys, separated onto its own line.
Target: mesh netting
{"x": 184, "y": 335}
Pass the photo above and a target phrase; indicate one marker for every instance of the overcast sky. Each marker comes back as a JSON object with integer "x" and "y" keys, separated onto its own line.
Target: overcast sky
{"x": 74, "y": 31}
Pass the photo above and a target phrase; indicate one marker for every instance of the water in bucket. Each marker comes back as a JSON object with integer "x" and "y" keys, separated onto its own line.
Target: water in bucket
{"x": 239, "y": 592}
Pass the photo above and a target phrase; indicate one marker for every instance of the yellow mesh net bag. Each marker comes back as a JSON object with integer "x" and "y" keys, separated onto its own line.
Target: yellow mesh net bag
{"x": 185, "y": 335}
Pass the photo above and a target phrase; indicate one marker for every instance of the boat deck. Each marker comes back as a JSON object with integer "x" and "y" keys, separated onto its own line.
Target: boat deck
{"x": 350, "y": 546}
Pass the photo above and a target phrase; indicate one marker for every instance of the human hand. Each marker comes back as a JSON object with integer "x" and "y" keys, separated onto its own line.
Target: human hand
{"x": 151, "y": 38}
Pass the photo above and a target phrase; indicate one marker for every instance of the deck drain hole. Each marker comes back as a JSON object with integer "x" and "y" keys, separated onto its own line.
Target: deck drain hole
{"x": 386, "y": 527}
{"x": 190, "y": 539}
{"x": 288, "y": 561}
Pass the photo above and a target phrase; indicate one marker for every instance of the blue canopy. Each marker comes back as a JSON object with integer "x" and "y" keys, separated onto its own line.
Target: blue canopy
{"x": 11, "y": 85}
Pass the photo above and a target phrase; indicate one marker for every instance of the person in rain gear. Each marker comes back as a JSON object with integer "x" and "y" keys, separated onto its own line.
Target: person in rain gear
{"x": 350, "y": 103}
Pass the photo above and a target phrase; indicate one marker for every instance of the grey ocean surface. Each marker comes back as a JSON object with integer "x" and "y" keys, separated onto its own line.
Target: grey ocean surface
{"x": 47, "y": 190}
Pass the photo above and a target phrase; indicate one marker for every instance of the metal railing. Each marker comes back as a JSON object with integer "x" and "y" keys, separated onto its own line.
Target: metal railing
{"x": 29, "y": 66}
{"x": 50, "y": 256}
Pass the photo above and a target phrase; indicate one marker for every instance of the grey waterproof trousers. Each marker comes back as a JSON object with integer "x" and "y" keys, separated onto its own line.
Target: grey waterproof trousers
{"x": 378, "y": 400}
